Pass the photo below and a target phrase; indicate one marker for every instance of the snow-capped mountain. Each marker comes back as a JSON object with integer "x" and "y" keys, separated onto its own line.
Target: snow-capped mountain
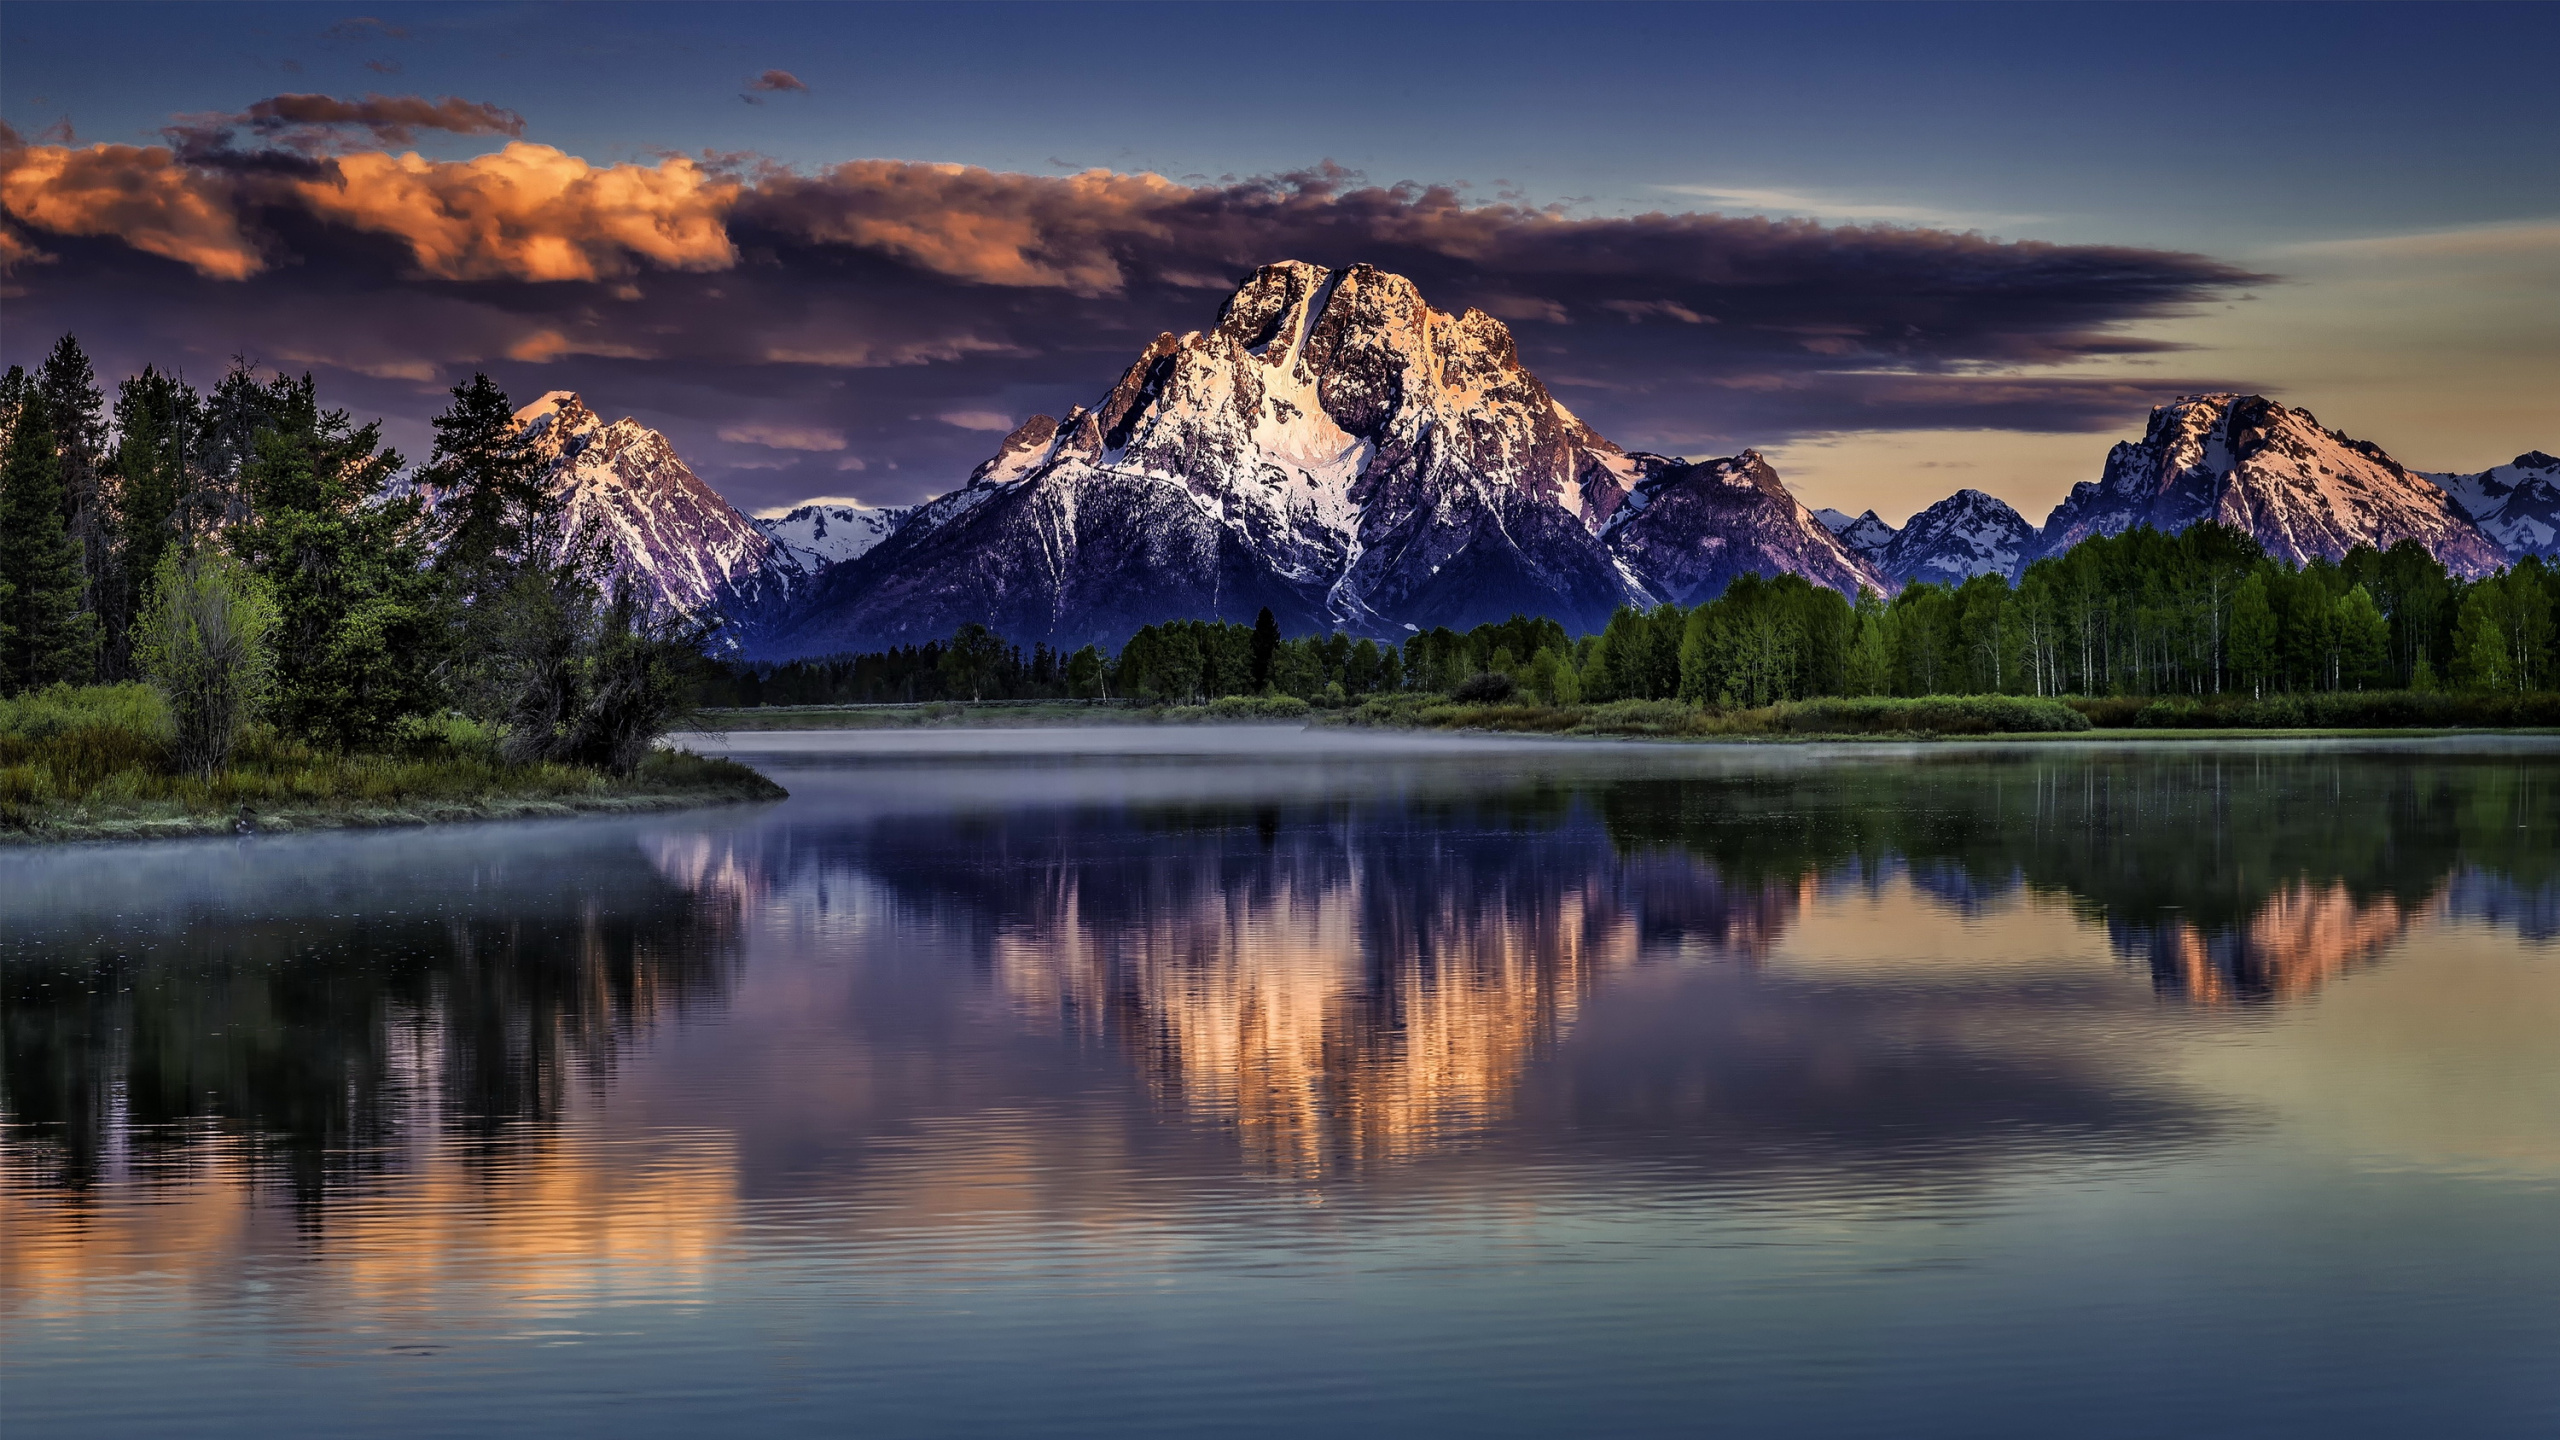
{"x": 664, "y": 526}
{"x": 1866, "y": 535}
{"x": 1332, "y": 448}
{"x": 817, "y": 536}
{"x": 2245, "y": 461}
{"x": 2517, "y": 505}
{"x": 1966, "y": 534}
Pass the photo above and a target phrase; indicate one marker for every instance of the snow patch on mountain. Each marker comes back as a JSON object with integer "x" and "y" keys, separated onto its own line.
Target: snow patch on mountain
{"x": 2516, "y": 504}
{"x": 814, "y": 537}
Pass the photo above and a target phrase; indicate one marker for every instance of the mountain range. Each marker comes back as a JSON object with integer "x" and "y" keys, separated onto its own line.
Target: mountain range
{"x": 1339, "y": 451}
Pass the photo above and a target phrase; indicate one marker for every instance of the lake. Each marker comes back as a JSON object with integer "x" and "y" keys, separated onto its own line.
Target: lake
{"x": 1261, "y": 1081}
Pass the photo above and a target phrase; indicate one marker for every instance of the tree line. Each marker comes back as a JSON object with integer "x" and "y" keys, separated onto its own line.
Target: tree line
{"x": 2202, "y": 613}
{"x": 257, "y": 555}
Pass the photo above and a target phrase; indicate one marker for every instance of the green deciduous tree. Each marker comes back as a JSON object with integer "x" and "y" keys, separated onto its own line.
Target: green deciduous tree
{"x": 2253, "y": 634}
{"x": 205, "y": 639}
{"x": 2364, "y": 641}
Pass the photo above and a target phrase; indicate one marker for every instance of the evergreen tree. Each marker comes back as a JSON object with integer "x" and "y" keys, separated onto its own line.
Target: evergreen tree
{"x": 158, "y": 421}
{"x": 358, "y": 620}
{"x": 76, "y": 412}
{"x": 970, "y": 662}
{"x": 240, "y": 408}
{"x": 44, "y": 634}
{"x": 493, "y": 499}
{"x": 1266, "y": 648}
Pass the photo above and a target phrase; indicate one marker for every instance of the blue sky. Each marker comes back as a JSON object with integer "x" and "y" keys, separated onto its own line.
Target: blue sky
{"x": 2397, "y": 168}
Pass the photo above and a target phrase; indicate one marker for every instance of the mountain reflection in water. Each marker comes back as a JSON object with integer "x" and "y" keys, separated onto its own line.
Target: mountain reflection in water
{"x": 593, "y": 1063}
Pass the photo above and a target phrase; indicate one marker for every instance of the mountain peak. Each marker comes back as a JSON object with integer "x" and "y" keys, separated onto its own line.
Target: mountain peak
{"x": 561, "y": 411}
{"x": 1967, "y": 534}
{"x": 1338, "y": 450}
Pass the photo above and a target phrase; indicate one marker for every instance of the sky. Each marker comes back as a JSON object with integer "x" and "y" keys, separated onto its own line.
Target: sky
{"x": 835, "y": 250}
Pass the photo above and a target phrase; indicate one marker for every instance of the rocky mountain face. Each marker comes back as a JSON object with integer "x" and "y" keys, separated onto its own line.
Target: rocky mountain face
{"x": 2517, "y": 505}
{"x": 1967, "y": 534}
{"x": 1332, "y": 448}
{"x": 1687, "y": 530}
{"x": 2245, "y": 461}
{"x": 664, "y": 527}
{"x": 814, "y": 537}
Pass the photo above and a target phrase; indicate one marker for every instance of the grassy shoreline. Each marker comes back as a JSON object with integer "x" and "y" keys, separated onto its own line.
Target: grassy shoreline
{"x": 94, "y": 764}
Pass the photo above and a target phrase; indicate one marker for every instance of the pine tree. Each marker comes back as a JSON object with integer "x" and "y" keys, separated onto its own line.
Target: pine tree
{"x": 44, "y": 634}
{"x": 1266, "y": 646}
{"x": 158, "y": 420}
{"x": 493, "y": 498}
{"x": 358, "y": 630}
{"x": 75, "y": 409}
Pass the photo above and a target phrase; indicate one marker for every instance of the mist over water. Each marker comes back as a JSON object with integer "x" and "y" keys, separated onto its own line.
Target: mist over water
{"x": 1277, "y": 1081}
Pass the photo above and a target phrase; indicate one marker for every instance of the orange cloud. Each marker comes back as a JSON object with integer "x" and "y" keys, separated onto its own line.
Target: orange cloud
{"x": 530, "y": 212}
{"x": 544, "y": 346}
{"x": 139, "y": 194}
{"x": 979, "y": 225}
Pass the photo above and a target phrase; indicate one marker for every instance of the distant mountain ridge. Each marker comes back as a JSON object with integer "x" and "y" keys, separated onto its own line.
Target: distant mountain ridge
{"x": 2516, "y": 504}
{"x": 816, "y": 536}
{"x": 2306, "y": 492}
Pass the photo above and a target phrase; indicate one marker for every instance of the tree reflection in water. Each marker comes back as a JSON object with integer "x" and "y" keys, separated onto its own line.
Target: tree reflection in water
{"x": 316, "y": 1032}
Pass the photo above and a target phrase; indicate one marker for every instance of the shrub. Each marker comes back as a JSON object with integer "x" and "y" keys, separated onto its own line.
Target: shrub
{"x": 1485, "y": 687}
{"x": 1257, "y": 707}
{"x": 1930, "y": 715}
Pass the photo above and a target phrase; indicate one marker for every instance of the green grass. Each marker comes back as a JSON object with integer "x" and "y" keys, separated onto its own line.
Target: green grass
{"x": 2333, "y": 710}
{"x": 93, "y": 763}
{"x": 1680, "y": 720}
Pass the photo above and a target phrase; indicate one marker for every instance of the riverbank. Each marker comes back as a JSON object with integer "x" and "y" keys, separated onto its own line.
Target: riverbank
{"x": 93, "y": 764}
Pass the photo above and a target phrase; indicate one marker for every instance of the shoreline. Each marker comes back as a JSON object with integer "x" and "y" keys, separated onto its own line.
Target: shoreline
{"x": 132, "y": 824}
{"x": 1072, "y": 715}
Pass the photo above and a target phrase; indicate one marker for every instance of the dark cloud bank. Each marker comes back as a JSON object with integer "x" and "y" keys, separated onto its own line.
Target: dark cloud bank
{"x": 874, "y": 297}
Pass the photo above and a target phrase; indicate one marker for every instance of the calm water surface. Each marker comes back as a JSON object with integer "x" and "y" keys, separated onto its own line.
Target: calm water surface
{"x": 1277, "y": 1083}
